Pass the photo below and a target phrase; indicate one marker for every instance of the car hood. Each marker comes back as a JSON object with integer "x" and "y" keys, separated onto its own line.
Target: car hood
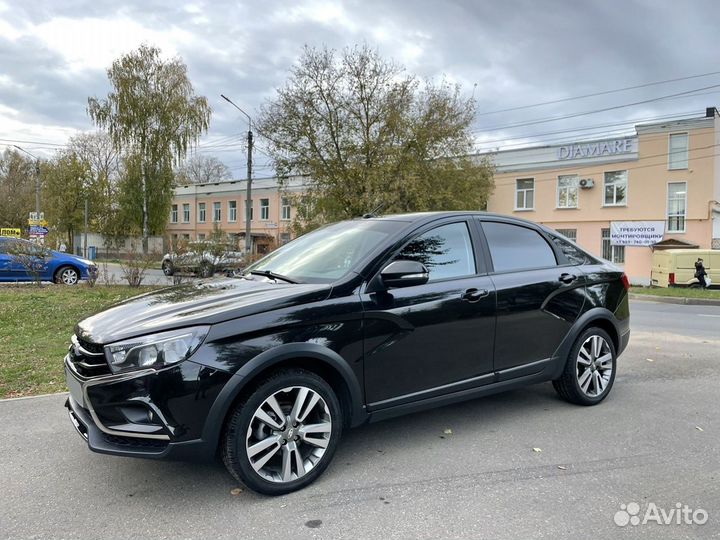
{"x": 195, "y": 303}
{"x": 69, "y": 257}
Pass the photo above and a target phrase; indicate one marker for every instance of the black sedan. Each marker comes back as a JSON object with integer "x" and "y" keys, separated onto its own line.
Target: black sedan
{"x": 355, "y": 322}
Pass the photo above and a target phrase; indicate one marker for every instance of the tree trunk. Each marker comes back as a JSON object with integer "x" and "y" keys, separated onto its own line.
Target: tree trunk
{"x": 145, "y": 227}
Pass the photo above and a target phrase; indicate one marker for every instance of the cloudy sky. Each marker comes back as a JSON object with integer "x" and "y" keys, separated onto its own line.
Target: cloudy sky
{"x": 511, "y": 53}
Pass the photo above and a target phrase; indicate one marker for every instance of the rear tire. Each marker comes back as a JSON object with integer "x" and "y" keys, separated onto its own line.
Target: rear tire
{"x": 283, "y": 435}
{"x": 590, "y": 369}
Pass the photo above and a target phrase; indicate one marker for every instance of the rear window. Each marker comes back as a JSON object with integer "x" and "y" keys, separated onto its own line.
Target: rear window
{"x": 513, "y": 247}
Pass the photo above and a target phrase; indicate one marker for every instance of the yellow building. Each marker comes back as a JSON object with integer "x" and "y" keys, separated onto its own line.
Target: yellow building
{"x": 197, "y": 208}
{"x": 656, "y": 189}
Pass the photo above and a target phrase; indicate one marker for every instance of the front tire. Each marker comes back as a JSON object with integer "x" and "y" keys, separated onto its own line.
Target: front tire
{"x": 67, "y": 275}
{"x": 589, "y": 373}
{"x": 283, "y": 435}
{"x": 167, "y": 268}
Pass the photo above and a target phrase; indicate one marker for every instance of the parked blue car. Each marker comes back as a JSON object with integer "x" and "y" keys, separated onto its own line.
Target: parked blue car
{"x": 50, "y": 265}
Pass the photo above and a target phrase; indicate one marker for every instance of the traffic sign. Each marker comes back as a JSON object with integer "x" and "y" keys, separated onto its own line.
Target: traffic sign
{"x": 37, "y": 230}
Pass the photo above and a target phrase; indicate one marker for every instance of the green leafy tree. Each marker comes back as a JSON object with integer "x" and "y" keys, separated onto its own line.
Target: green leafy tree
{"x": 132, "y": 204}
{"x": 153, "y": 115}
{"x": 67, "y": 183}
{"x": 17, "y": 189}
{"x": 369, "y": 135}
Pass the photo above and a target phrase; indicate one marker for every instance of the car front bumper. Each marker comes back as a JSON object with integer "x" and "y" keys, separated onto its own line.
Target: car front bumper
{"x": 153, "y": 414}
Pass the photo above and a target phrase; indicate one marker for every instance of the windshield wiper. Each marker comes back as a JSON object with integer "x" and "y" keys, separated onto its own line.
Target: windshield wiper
{"x": 272, "y": 275}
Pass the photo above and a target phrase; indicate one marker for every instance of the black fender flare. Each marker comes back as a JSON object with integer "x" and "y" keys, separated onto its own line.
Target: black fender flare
{"x": 594, "y": 314}
{"x": 276, "y": 355}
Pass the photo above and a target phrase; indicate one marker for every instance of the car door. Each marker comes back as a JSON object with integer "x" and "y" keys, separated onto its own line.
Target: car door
{"x": 539, "y": 296}
{"x": 5, "y": 260}
{"x": 431, "y": 339}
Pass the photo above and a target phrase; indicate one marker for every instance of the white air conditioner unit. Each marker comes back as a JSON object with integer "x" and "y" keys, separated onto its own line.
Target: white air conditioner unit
{"x": 587, "y": 183}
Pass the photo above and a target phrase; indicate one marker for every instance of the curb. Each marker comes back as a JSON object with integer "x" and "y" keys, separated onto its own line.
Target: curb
{"x": 33, "y": 397}
{"x": 676, "y": 300}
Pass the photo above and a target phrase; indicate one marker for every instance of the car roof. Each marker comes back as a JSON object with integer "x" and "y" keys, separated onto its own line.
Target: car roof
{"x": 421, "y": 217}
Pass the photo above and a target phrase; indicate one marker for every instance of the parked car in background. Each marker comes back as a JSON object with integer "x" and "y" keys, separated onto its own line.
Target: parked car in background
{"x": 22, "y": 260}
{"x": 204, "y": 259}
{"x": 355, "y": 322}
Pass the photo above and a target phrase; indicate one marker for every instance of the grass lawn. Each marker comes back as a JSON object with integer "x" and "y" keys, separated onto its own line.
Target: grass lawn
{"x": 682, "y": 292}
{"x": 35, "y": 328}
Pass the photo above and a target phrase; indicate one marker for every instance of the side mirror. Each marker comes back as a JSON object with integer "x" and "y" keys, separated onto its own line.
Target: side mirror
{"x": 404, "y": 274}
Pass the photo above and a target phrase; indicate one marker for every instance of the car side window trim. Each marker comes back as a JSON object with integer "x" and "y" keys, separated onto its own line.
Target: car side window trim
{"x": 489, "y": 262}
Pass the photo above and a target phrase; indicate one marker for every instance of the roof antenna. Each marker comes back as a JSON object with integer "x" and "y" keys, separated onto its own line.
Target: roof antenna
{"x": 374, "y": 212}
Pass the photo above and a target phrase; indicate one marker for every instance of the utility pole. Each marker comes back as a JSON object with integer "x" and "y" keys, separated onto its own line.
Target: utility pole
{"x": 248, "y": 194}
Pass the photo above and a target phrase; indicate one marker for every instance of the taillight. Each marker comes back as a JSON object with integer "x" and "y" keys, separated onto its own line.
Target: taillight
{"x": 625, "y": 281}
{"x": 671, "y": 278}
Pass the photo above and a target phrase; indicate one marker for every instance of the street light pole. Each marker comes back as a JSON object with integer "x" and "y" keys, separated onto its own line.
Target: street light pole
{"x": 248, "y": 195}
{"x": 37, "y": 179}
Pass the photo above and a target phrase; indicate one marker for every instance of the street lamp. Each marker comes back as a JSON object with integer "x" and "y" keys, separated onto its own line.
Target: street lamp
{"x": 248, "y": 196}
{"x": 37, "y": 179}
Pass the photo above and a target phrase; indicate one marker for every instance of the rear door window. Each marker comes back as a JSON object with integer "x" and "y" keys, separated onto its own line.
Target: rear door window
{"x": 513, "y": 247}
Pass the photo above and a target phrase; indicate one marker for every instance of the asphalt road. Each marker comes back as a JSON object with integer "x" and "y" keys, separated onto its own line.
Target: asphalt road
{"x": 656, "y": 439}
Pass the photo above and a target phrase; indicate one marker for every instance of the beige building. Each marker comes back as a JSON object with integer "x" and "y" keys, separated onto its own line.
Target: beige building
{"x": 656, "y": 189}
{"x": 197, "y": 208}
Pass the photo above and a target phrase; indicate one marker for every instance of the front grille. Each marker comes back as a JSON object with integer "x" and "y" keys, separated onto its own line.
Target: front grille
{"x": 88, "y": 358}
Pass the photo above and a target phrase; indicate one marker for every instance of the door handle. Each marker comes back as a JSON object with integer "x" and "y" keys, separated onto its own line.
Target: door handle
{"x": 474, "y": 295}
{"x": 567, "y": 278}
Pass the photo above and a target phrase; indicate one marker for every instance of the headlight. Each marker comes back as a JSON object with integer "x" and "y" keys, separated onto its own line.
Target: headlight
{"x": 156, "y": 350}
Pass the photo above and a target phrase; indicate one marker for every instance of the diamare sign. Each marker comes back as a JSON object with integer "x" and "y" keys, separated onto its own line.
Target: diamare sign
{"x": 636, "y": 233}
{"x": 595, "y": 149}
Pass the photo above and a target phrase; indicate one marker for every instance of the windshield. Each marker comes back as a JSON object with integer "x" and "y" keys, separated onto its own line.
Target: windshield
{"x": 325, "y": 255}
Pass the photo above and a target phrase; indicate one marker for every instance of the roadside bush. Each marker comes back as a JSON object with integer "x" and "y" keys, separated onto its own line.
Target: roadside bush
{"x": 133, "y": 268}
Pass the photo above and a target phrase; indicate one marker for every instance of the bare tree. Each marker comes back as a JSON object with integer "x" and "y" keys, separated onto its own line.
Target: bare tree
{"x": 202, "y": 169}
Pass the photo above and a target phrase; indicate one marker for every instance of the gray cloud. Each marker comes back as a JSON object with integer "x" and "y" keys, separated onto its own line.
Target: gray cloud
{"x": 518, "y": 52}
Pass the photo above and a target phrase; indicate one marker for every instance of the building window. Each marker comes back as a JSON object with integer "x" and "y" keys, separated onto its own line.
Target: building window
{"x": 174, "y": 213}
{"x": 186, "y": 236}
{"x": 201, "y": 236}
{"x": 525, "y": 194}
{"x": 567, "y": 191}
{"x": 616, "y": 188}
{"x": 677, "y": 206}
{"x": 232, "y": 211}
{"x": 186, "y": 213}
{"x": 251, "y": 209}
{"x": 217, "y": 212}
{"x": 201, "y": 212}
{"x": 570, "y": 234}
{"x": 285, "y": 209}
{"x": 678, "y": 151}
{"x": 284, "y": 238}
{"x": 612, "y": 253}
{"x": 264, "y": 209}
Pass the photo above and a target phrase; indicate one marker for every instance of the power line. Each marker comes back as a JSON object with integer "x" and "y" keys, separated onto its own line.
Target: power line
{"x": 603, "y": 93}
{"x": 629, "y": 123}
{"x": 585, "y": 113}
